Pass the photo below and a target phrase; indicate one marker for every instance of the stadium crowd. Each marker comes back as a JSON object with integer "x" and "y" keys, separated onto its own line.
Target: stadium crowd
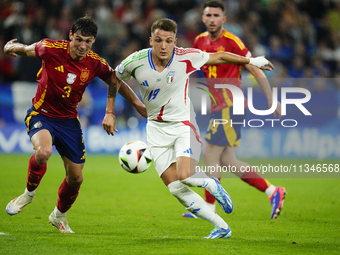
{"x": 300, "y": 37}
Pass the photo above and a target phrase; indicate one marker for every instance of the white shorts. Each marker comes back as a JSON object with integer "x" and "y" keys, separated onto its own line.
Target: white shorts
{"x": 169, "y": 140}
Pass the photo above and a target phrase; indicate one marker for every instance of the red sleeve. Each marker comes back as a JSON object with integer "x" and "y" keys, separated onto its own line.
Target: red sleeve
{"x": 40, "y": 51}
{"x": 104, "y": 70}
{"x": 240, "y": 49}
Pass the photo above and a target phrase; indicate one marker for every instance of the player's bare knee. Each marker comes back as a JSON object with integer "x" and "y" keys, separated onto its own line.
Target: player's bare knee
{"x": 228, "y": 159}
{"x": 42, "y": 155}
{"x": 183, "y": 176}
{"x": 75, "y": 182}
{"x": 225, "y": 161}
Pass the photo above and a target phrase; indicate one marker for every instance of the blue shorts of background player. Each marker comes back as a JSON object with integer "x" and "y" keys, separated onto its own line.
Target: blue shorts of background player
{"x": 225, "y": 134}
{"x": 67, "y": 135}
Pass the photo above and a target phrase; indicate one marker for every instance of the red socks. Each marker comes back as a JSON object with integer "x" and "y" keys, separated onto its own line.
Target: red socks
{"x": 66, "y": 196}
{"x": 255, "y": 180}
{"x": 35, "y": 174}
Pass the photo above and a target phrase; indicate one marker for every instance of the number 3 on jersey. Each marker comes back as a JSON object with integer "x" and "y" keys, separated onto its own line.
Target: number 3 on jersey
{"x": 67, "y": 90}
{"x": 153, "y": 94}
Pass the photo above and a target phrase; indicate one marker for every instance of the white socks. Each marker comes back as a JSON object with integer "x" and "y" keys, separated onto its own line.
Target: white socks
{"x": 212, "y": 206}
{"x": 30, "y": 193}
{"x": 270, "y": 190}
{"x": 195, "y": 203}
{"x": 207, "y": 183}
{"x": 58, "y": 213}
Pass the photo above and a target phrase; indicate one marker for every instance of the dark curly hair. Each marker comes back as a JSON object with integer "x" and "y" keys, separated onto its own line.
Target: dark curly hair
{"x": 86, "y": 25}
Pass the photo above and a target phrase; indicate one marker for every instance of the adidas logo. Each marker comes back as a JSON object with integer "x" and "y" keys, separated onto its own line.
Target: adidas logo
{"x": 145, "y": 83}
{"x": 60, "y": 68}
{"x": 188, "y": 151}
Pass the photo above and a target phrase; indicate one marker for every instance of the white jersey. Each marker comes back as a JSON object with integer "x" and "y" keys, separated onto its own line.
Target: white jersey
{"x": 165, "y": 94}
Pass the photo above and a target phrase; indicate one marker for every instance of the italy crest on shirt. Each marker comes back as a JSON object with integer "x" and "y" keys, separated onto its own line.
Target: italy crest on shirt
{"x": 170, "y": 77}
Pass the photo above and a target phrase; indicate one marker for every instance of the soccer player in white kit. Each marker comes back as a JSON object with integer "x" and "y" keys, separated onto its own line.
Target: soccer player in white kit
{"x": 162, "y": 73}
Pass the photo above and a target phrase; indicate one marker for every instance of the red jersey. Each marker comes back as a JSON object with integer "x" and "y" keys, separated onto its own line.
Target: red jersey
{"x": 63, "y": 80}
{"x": 224, "y": 73}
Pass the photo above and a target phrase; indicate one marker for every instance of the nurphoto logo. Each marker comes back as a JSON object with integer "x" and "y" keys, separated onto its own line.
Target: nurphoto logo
{"x": 238, "y": 106}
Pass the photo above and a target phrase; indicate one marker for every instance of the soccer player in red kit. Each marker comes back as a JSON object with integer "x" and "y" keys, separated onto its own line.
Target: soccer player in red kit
{"x": 67, "y": 68}
{"x": 221, "y": 140}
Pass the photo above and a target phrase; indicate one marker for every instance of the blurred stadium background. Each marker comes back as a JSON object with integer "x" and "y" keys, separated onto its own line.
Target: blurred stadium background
{"x": 300, "y": 37}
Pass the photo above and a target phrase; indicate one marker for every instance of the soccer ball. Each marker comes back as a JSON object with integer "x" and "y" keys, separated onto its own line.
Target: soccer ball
{"x": 135, "y": 157}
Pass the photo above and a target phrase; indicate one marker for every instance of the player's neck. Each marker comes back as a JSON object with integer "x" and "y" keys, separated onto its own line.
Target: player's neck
{"x": 215, "y": 35}
{"x": 160, "y": 64}
{"x": 75, "y": 57}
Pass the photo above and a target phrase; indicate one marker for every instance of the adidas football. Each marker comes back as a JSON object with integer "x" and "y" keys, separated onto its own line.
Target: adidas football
{"x": 135, "y": 157}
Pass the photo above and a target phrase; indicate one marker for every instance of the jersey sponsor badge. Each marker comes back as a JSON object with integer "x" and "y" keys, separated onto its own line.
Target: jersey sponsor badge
{"x": 71, "y": 77}
{"x": 84, "y": 76}
{"x": 170, "y": 77}
{"x": 120, "y": 68}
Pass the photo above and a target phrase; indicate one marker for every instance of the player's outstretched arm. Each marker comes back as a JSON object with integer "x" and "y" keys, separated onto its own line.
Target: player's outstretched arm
{"x": 109, "y": 121}
{"x": 231, "y": 58}
{"x": 262, "y": 80}
{"x": 126, "y": 92}
{"x": 14, "y": 48}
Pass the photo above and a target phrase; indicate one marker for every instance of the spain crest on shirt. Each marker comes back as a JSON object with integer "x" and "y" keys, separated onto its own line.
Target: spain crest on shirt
{"x": 170, "y": 77}
{"x": 84, "y": 76}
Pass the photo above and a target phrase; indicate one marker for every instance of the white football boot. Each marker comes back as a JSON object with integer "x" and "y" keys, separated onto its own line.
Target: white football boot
{"x": 17, "y": 204}
{"x": 58, "y": 220}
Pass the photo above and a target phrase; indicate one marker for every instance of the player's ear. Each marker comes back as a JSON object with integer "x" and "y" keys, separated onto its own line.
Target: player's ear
{"x": 150, "y": 40}
{"x": 70, "y": 35}
{"x": 224, "y": 19}
{"x": 175, "y": 42}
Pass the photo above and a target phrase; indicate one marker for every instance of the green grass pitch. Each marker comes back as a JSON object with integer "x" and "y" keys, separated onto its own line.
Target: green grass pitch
{"x": 122, "y": 213}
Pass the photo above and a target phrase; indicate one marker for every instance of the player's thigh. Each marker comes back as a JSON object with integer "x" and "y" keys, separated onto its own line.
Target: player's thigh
{"x": 228, "y": 155}
{"x": 42, "y": 141}
{"x": 40, "y": 131}
{"x": 212, "y": 158}
{"x": 212, "y": 153}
